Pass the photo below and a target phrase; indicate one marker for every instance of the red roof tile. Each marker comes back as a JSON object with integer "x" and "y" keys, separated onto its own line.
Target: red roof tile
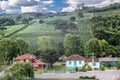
{"x": 75, "y": 57}
{"x": 38, "y": 62}
{"x": 25, "y": 56}
{"x": 90, "y": 60}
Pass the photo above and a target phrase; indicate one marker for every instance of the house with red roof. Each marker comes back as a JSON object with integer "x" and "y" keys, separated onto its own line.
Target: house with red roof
{"x": 38, "y": 64}
{"x": 94, "y": 63}
{"x": 74, "y": 62}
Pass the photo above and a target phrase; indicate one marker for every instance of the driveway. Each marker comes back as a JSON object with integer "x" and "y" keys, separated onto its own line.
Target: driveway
{"x": 101, "y": 75}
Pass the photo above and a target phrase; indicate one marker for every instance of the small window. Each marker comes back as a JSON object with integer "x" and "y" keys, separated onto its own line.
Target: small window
{"x": 80, "y": 62}
{"x": 94, "y": 64}
{"x": 69, "y": 62}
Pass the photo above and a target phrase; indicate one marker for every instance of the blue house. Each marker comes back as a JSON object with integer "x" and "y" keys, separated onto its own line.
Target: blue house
{"x": 108, "y": 61}
{"x": 74, "y": 62}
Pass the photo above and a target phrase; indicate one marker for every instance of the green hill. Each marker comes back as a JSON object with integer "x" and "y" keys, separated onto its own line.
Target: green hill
{"x": 32, "y": 32}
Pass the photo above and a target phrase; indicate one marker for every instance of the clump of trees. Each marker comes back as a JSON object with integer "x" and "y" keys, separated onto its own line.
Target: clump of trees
{"x": 7, "y": 21}
{"x": 11, "y": 48}
{"x": 65, "y": 26}
{"x": 106, "y": 8}
{"x": 108, "y": 28}
{"x": 19, "y": 71}
{"x": 47, "y": 50}
{"x": 73, "y": 44}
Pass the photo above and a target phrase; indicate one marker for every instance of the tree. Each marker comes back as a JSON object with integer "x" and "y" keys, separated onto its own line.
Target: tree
{"x": 93, "y": 46}
{"x": 22, "y": 45}
{"x": 2, "y": 29}
{"x": 19, "y": 71}
{"x": 73, "y": 44}
{"x": 72, "y": 18}
{"x": 104, "y": 46}
{"x": 8, "y": 50}
{"x": 50, "y": 56}
{"x": 45, "y": 43}
{"x": 25, "y": 21}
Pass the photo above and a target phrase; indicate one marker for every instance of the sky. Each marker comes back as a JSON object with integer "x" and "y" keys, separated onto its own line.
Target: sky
{"x": 23, "y": 6}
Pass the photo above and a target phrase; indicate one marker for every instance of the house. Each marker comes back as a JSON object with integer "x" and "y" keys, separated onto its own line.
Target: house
{"x": 25, "y": 58}
{"x": 74, "y": 62}
{"x": 94, "y": 63}
{"x": 108, "y": 61}
{"x": 37, "y": 64}
{"x": 63, "y": 58}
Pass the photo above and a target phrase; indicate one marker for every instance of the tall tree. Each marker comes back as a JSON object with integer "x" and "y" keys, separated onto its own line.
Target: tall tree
{"x": 8, "y": 50}
{"x": 2, "y": 30}
{"x": 93, "y": 46}
{"x": 73, "y": 44}
{"x": 22, "y": 45}
{"x": 45, "y": 43}
{"x": 50, "y": 56}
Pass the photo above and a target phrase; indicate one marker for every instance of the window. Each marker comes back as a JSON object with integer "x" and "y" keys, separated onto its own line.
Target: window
{"x": 69, "y": 62}
{"x": 80, "y": 62}
{"x": 94, "y": 64}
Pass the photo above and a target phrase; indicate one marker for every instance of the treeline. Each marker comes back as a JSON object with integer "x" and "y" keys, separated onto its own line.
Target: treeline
{"x": 7, "y": 21}
{"x": 106, "y": 8}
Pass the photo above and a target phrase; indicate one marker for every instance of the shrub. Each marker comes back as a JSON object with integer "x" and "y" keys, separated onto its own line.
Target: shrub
{"x": 89, "y": 68}
{"x": 87, "y": 77}
{"x": 102, "y": 68}
{"x": 118, "y": 65}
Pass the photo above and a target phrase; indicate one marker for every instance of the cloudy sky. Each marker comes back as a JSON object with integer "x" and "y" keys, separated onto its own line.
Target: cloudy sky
{"x": 23, "y": 6}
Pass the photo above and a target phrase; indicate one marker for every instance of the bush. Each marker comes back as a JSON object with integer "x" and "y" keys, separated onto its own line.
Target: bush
{"x": 102, "y": 68}
{"x": 19, "y": 71}
{"x": 89, "y": 68}
{"x": 118, "y": 65}
{"x": 83, "y": 68}
{"x": 87, "y": 77}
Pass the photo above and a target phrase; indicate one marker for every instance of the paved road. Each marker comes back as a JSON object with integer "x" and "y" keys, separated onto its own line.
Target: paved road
{"x": 102, "y": 75}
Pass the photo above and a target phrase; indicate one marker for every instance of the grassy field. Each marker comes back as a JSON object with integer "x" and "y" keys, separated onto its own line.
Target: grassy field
{"x": 31, "y": 33}
{"x": 11, "y": 29}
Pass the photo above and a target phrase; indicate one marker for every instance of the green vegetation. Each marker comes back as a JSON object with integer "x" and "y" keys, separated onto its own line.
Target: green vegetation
{"x": 19, "y": 71}
{"x": 11, "y": 29}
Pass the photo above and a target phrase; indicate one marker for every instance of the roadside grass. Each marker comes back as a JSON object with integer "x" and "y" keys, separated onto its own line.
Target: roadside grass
{"x": 64, "y": 79}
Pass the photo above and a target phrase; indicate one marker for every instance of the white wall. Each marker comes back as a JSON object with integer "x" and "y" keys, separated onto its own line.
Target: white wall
{"x": 96, "y": 66}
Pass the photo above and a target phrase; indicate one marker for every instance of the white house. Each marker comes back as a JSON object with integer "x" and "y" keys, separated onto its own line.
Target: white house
{"x": 94, "y": 63}
{"x": 74, "y": 61}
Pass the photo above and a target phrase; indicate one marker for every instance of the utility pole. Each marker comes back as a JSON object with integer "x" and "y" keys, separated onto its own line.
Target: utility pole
{"x": 93, "y": 61}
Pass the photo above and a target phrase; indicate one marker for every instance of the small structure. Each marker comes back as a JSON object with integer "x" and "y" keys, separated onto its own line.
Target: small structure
{"x": 63, "y": 58}
{"x": 94, "y": 63}
{"x": 106, "y": 61}
{"x": 39, "y": 64}
{"x": 74, "y": 62}
{"x": 26, "y": 58}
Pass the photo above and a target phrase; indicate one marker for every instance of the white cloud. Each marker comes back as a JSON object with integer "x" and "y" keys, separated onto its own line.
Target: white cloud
{"x": 25, "y": 5}
{"x": 72, "y": 5}
{"x": 105, "y": 3}
{"x": 52, "y": 11}
{"x": 48, "y": 2}
{"x": 23, "y": 2}
{"x": 97, "y": 3}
